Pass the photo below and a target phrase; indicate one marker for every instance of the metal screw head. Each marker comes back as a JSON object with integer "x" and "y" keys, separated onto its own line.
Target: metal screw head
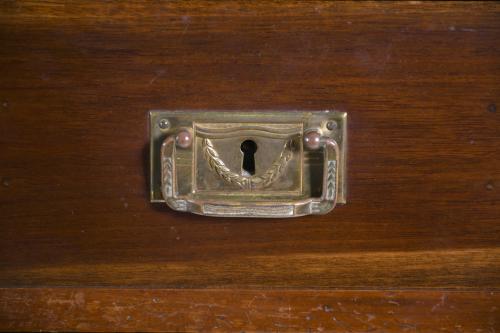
{"x": 331, "y": 125}
{"x": 312, "y": 140}
{"x": 183, "y": 139}
{"x": 164, "y": 123}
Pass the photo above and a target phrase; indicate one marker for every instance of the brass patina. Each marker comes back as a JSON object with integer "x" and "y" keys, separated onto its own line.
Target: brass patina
{"x": 294, "y": 163}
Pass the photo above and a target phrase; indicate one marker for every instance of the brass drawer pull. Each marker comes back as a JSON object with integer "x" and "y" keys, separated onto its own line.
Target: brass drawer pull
{"x": 248, "y": 164}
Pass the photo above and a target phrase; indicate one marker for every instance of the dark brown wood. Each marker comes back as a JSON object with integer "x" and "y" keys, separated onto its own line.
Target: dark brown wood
{"x": 207, "y": 310}
{"x": 421, "y": 84}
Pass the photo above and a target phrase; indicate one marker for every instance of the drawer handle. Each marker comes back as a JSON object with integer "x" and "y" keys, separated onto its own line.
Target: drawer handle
{"x": 200, "y": 161}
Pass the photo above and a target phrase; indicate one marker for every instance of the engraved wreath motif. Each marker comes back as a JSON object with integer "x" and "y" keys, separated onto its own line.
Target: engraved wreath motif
{"x": 267, "y": 178}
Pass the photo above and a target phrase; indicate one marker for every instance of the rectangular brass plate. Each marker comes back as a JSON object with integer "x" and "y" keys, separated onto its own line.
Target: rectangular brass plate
{"x": 203, "y": 172}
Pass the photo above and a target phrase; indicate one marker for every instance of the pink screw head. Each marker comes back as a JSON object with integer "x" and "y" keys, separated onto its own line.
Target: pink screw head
{"x": 312, "y": 140}
{"x": 183, "y": 139}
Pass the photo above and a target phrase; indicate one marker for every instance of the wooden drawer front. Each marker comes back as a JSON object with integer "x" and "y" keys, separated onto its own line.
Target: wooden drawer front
{"x": 419, "y": 80}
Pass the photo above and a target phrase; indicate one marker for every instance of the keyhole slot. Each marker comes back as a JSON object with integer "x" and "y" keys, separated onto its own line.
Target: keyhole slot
{"x": 248, "y": 148}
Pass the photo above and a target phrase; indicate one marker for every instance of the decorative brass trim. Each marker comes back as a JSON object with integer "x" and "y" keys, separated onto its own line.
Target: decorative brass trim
{"x": 252, "y": 182}
{"x": 193, "y": 176}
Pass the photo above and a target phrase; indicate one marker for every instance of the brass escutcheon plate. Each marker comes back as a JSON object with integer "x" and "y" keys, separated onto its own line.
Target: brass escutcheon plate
{"x": 248, "y": 163}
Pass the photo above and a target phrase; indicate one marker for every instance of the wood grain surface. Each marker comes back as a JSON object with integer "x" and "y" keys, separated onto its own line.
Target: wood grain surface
{"x": 419, "y": 80}
{"x": 208, "y": 310}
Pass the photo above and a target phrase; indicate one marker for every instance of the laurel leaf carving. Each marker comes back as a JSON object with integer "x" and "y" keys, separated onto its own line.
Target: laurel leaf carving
{"x": 264, "y": 180}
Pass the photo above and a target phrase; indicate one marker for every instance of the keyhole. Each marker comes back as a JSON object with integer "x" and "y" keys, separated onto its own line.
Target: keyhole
{"x": 248, "y": 148}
